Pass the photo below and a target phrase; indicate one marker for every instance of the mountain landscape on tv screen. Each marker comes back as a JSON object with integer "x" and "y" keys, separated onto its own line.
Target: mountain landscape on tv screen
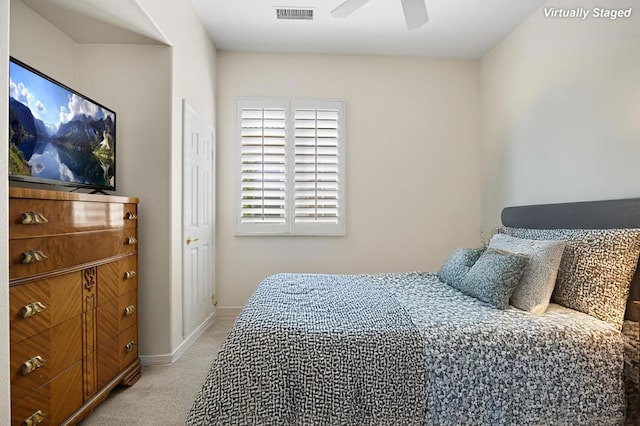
{"x": 78, "y": 151}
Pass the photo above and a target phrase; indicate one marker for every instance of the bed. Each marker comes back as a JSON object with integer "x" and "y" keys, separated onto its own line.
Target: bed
{"x": 445, "y": 348}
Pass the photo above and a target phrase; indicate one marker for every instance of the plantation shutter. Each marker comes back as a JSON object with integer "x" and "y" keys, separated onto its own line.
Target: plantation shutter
{"x": 318, "y": 160}
{"x": 290, "y": 167}
{"x": 263, "y": 186}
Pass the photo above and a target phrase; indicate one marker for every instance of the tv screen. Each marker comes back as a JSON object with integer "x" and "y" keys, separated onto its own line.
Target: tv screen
{"x": 56, "y": 135}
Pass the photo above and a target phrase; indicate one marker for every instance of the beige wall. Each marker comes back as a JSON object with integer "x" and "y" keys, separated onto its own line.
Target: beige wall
{"x": 38, "y": 43}
{"x": 193, "y": 79}
{"x": 5, "y": 399}
{"x": 560, "y": 102}
{"x": 413, "y": 169}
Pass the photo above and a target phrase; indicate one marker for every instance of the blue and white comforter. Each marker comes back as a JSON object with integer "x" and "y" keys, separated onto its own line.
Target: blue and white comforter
{"x": 406, "y": 349}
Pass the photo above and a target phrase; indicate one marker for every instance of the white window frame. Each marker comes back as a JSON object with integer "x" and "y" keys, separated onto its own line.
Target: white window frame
{"x": 291, "y": 227}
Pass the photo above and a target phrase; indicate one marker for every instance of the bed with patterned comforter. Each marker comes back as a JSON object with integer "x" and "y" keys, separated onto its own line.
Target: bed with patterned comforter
{"x": 407, "y": 349}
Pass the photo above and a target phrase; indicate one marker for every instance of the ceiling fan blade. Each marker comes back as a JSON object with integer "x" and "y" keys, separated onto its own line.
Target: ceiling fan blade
{"x": 346, "y": 8}
{"x": 415, "y": 13}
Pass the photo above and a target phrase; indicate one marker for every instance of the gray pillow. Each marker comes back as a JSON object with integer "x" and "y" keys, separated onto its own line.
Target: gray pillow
{"x": 458, "y": 264}
{"x": 494, "y": 277}
{"x": 534, "y": 290}
{"x": 596, "y": 269}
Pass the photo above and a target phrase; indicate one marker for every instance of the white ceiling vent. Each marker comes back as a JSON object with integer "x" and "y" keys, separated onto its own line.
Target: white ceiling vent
{"x": 295, "y": 13}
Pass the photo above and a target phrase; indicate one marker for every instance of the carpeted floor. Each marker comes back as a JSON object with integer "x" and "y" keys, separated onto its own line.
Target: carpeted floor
{"x": 164, "y": 394}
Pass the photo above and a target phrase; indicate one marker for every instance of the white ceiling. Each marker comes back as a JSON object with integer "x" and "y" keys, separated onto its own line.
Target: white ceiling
{"x": 456, "y": 28}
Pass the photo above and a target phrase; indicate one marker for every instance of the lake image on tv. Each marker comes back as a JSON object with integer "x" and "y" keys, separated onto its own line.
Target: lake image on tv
{"x": 57, "y": 135}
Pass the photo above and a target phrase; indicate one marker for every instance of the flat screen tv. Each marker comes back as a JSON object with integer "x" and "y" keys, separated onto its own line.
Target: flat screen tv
{"x": 56, "y": 135}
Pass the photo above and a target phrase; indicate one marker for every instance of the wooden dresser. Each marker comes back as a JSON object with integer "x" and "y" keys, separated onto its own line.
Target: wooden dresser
{"x": 73, "y": 302}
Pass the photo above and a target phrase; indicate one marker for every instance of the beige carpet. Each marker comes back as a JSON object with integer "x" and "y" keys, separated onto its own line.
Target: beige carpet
{"x": 164, "y": 394}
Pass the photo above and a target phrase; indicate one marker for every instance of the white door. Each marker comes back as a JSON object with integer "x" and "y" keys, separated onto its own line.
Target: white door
{"x": 198, "y": 220}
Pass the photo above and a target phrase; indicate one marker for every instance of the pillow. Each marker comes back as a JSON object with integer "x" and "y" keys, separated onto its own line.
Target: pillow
{"x": 493, "y": 277}
{"x": 595, "y": 271}
{"x": 458, "y": 264}
{"x": 534, "y": 290}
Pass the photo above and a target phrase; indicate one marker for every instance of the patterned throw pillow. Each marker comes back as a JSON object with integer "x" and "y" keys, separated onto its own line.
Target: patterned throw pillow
{"x": 534, "y": 290}
{"x": 458, "y": 264}
{"x": 596, "y": 269}
{"x": 494, "y": 277}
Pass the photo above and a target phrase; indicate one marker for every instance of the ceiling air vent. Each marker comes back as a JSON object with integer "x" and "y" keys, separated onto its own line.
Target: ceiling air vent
{"x": 294, "y": 13}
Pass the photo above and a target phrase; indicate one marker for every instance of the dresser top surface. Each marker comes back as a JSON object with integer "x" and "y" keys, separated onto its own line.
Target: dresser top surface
{"x": 43, "y": 194}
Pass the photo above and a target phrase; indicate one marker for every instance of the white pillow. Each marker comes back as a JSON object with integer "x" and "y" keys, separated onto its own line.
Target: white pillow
{"x": 534, "y": 290}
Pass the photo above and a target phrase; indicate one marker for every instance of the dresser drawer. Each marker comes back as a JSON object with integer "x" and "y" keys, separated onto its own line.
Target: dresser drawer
{"x": 117, "y": 316}
{"x": 56, "y": 400}
{"x": 128, "y": 347}
{"x": 39, "y": 305}
{"x": 29, "y": 218}
{"x": 117, "y": 278}
{"x": 31, "y": 256}
{"x": 116, "y": 354}
{"x": 38, "y": 359}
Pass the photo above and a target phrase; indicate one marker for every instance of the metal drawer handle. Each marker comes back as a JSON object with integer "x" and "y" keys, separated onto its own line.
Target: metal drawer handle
{"x": 129, "y": 274}
{"x": 130, "y": 241}
{"x": 33, "y": 218}
{"x": 33, "y": 256}
{"x": 32, "y": 309}
{"x": 129, "y": 346}
{"x": 129, "y": 310}
{"x": 33, "y": 364}
{"x": 35, "y": 419}
{"x": 131, "y": 216}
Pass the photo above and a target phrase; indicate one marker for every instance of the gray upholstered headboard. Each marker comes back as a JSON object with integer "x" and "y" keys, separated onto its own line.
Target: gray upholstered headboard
{"x": 583, "y": 215}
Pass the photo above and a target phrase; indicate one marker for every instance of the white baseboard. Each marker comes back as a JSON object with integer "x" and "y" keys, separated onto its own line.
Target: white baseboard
{"x": 165, "y": 359}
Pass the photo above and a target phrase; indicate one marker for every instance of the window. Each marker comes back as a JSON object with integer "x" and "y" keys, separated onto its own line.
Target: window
{"x": 291, "y": 167}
